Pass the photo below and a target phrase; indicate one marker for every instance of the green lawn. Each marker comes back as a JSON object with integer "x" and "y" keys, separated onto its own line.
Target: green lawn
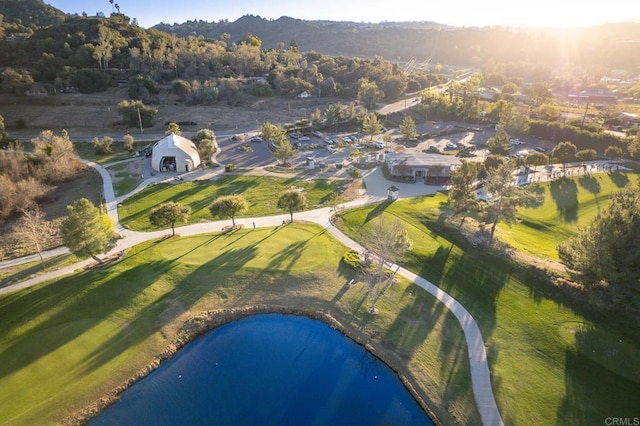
{"x": 261, "y": 192}
{"x": 86, "y": 151}
{"x": 66, "y": 343}
{"x": 13, "y": 275}
{"x": 552, "y": 362}
{"x": 569, "y": 204}
{"x": 123, "y": 181}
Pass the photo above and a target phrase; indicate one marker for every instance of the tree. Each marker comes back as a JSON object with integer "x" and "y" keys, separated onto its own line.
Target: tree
{"x": 499, "y": 144}
{"x": 229, "y": 206}
{"x": 56, "y": 155}
{"x": 371, "y": 125}
{"x": 408, "y": 128}
{"x": 535, "y": 158}
{"x": 207, "y": 146}
{"x": 136, "y": 113}
{"x": 462, "y": 195}
{"x": 86, "y": 231}
{"x": 633, "y": 148}
{"x": 613, "y": 152}
{"x": 4, "y": 136}
{"x": 386, "y": 241}
{"x": 127, "y": 141}
{"x": 368, "y": 93}
{"x": 33, "y": 230}
{"x": 292, "y": 200}
{"x": 284, "y": 151}
{"x": 564, "y": 152}
{"x": 504, "y": 196}
{"x": 586, "y": 155}
{"x": 609, "y": 247}
{"x": 173, "y": 128}
{"x": 169, "y": 213}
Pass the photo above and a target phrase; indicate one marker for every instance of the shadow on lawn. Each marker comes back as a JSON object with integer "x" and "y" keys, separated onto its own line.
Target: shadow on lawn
{"x": 595, "y": 393}
{"x": 590, "y": 183}
{"x": 619, "y": 178}
{"x": 86, "y": 298}
{"x": 187, "y": 291}
{"x": 564, "y": 192}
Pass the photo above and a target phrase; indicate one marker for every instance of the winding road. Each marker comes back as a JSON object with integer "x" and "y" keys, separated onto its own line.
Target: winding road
{"x": 480, "y": 374}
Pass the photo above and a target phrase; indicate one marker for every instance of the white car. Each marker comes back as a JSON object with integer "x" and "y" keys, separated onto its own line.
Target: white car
{"x": 379, "y": 145}
{"x": 304, "y": 138}
{"x": 317, "y": 133}
{"x": 331, "y": 148}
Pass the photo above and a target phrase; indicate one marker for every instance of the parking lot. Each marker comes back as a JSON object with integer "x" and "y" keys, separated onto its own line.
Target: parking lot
{"x": 336, "y": 148}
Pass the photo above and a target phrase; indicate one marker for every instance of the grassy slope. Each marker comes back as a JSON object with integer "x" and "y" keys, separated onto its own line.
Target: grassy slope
{"x": 65, "y": 343}
{"x": 262, "y": 192}
{"x": 569, "y": 204}
{"x": 551, "y": 362}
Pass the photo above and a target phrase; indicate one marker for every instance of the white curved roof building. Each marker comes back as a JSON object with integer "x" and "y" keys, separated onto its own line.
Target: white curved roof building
{"x": 174, "y": 154}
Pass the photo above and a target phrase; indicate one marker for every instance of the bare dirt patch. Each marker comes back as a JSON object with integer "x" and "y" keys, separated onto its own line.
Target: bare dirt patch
{"x": 97, "y": 114}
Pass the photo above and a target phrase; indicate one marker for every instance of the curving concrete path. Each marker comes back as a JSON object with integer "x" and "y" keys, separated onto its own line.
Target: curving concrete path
{"x": 480, "y": 374}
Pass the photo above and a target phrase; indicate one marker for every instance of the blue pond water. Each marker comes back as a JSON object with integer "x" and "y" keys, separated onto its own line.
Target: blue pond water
{"x": 268, "y": 370}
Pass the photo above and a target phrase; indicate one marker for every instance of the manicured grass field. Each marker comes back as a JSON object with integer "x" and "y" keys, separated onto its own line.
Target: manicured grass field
{"x": 569, "y": 204}
{"x": 552, "y": 361}
{"x": 261, "y": 192}
{"x": 66, "y": 343}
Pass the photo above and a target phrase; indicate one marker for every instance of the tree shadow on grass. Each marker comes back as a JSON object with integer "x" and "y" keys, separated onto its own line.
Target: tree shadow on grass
{"x": 590, "y": 183}
{"x": 593, "y": 391}
{"x": 619, "y": 178}
{"x": 72, "y": 301}
{"x": 414, "y": 322}
{"x": 164, "y": 310}
{"x": 564, "y": 192}
{"x": 377, "y": 211}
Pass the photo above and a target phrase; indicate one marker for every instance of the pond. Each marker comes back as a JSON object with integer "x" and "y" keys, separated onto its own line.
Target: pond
{"x": 268, "y": 369}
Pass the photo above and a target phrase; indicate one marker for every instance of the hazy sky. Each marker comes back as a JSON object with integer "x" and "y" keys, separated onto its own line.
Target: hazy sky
{"x": 554, "y": 13}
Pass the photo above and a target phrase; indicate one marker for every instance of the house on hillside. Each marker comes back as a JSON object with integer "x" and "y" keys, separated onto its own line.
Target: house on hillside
{"x": 174, "y": 154}
{"x": 433, "y": 169}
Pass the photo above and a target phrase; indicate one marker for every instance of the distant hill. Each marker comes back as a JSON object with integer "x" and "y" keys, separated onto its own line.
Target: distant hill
{"x": 609, "y": 45}
{"x": 329, "y": 37}
{"x": 30, "y": 13}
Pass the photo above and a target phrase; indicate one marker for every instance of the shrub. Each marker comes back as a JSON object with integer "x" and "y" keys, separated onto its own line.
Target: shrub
{"x": 229, "y": 167}
{"x": 102, "y": 146}
{"x": 130, "y": 109}
{"x": 352, "y": 259}
{"x": 128, "y": 140}
{"x": 90, "y": 80}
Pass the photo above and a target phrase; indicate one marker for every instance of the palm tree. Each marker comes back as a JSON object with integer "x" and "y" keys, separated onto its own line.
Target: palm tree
{"x": 111, "y": 1}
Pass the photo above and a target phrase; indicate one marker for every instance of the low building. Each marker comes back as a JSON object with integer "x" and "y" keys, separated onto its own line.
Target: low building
{"x": 174, "y": 153}
{"x": 433, "y": 169}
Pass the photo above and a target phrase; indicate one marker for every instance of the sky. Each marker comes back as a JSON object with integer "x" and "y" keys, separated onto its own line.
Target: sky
{"x": 467, "y": 13}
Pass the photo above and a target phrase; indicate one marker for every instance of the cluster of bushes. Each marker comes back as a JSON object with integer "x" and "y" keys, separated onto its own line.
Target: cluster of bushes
{"x": 27, "y": 177}
{"x": 583, "y": 139}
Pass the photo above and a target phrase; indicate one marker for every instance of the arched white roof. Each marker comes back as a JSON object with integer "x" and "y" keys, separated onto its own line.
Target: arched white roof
{"x": 177, "y": 150}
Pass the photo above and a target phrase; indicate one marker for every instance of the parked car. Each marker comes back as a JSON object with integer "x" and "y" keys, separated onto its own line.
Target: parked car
{"x": 316, "y": 133}
{"x": 379, "y": 145}
{"x": 295, "y": 135}
{"x": 346, "y": 139}
{"x": 256, "y": 139}
{"x": 304, "y": 138}
{"x": 329, "y": 141}
{"x": 539, "y": 149}
{"x": 331, "y": 148}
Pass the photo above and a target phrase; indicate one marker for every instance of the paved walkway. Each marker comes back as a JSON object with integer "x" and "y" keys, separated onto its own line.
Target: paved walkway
{"x": 376, "y": 187}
